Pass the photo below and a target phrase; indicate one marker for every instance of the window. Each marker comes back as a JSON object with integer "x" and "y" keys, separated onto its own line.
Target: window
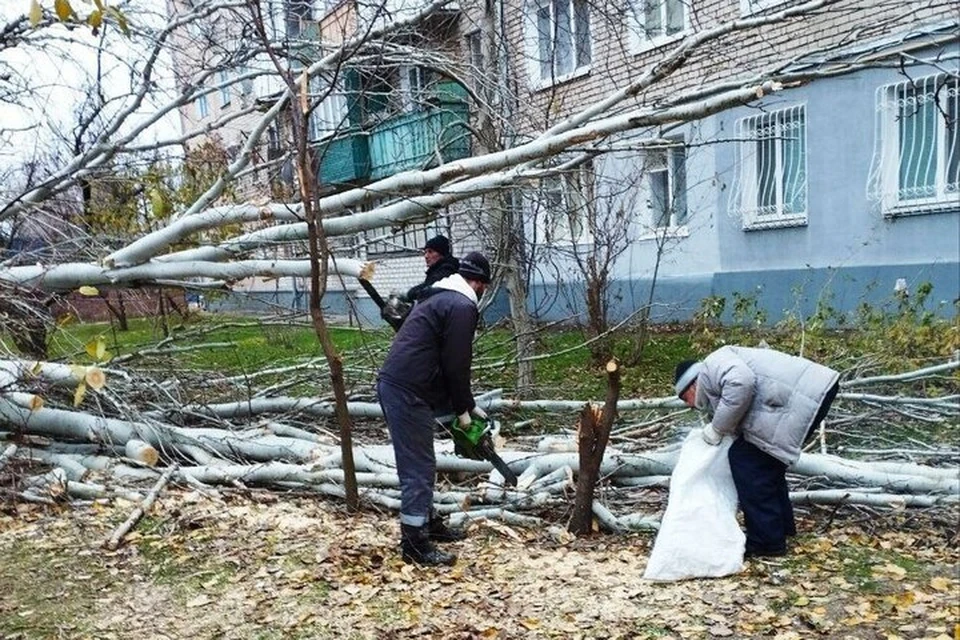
{"x": 203, "y": 107}
{"x": 771, "y": 179}
{"x": 330, "y": 115}
{"x": 565, "y": 206}
{"x": 413, "y": 87}
{"x": 916, "y": 163}
{"x": 408, "y": 239}
{"x": 657, "y": 21}
{"x": 667, "y": 181}
{"x": 558, "y": 39}
{"x": 475, "y": 48}
{"x": 224, "y": 77}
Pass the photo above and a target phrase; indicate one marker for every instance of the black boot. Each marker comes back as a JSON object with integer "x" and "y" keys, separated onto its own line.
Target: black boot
{"x": 416, "y": 547}
{"x": 440, "y": 532}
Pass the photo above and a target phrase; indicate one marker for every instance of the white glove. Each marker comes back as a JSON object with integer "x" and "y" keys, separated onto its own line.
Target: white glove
{"x": 710, "y": 435}
{"x": 480, "y": 413}
{"x": 464, "y": 419}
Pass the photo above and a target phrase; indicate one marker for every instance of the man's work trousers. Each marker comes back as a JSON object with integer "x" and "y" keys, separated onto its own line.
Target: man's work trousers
{"x": 764, "y": 497}
{"x": 762, "y": 488}
{"x": 410, "y": 421}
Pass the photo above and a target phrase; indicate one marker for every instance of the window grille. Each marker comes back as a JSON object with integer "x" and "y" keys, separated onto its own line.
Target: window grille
{"x": 408, "y": 239}
{"x": 916, "y": 160}
{"x": 770, "y": 188}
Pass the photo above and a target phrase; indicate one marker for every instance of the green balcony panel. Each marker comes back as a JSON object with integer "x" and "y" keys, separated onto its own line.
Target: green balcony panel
{"x": 419, "y": 139}
{"x": 345, "y": 159}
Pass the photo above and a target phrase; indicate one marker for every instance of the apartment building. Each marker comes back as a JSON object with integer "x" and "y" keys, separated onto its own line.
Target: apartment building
{"x": 835, "y": 189}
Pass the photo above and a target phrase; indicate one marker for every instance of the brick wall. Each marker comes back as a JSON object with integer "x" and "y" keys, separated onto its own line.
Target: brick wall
{"x": 136, "y": 302}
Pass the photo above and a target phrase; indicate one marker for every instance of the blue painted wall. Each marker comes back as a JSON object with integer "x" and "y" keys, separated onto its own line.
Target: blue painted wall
{"x": 845, "y": 254}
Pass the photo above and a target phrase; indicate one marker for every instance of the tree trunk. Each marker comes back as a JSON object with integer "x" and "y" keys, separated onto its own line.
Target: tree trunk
{"x": 593, "y": 431}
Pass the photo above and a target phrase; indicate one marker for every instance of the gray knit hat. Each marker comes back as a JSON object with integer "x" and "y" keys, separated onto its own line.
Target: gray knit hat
{"x": 474, "y": 266}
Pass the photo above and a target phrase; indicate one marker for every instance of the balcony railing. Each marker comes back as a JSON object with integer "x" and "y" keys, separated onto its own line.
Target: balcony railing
{"x": 419, "y": 139}
{"x": 345, "y": 159}
{"x": 414, "y": 140}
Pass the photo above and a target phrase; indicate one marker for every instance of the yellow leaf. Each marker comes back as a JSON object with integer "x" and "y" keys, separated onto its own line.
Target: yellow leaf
{"x": 940, "y": 584}
{"x": 79, "y": 393}
{"x": 95, "y": 19}
{"x": 63, "y": 9}
{"x": 36, "y": 13}
{"x": 97, "y": 348}
{"x": 87, "y": 290}
{"x": 121, "y": 19}
{"x": 36, "y": 368}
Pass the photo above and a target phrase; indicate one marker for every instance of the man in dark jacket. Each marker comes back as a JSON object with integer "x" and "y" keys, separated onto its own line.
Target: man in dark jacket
{"x": 440, "y": 264}
{"x": 427, "y": 371}
{"x": 771, "y": 402}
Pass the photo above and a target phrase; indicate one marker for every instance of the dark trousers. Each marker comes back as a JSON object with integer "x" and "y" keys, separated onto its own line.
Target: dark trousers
{"x": 410, "y": 421}
{"x": 762, "y": 489}
{"x": 764, "y": 497}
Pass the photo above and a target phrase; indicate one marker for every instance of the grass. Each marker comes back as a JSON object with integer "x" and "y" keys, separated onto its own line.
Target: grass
{"x": 28, "y": 573}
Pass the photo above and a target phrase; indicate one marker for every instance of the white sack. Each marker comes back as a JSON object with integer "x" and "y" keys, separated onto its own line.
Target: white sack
{"x": 699, "y": 536}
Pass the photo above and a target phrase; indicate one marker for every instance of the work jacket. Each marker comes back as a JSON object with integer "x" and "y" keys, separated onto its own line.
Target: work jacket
{"x": 768, "y": 396}
{"x": 442, "y": 268}
{"x": 432, "y": 353}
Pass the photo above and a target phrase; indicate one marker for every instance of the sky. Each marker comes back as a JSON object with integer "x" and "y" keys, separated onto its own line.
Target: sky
{"x": 55, "y": 63}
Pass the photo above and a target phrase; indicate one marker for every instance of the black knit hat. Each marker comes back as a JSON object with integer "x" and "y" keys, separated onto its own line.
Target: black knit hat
{"x": 474, "y": 266}
{"x": 685, "y": 375}
{"x": 440, "y": 244}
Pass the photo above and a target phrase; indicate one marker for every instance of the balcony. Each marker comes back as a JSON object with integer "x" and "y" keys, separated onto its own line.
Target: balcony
{"x": 345, "y": 159}
{"x": 419, "y": 139}
{"x": 409, "y": 141}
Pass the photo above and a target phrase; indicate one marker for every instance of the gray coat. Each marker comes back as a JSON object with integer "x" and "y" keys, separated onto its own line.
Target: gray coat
{"x": 768, "y": 396}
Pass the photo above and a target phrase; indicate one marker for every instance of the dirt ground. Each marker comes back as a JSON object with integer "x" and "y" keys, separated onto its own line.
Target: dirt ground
{"x": 294, "y": 567}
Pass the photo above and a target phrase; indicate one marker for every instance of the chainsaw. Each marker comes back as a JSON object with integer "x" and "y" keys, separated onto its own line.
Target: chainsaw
{"x": 393, "y": 310}
{"x": 475, "y": 442}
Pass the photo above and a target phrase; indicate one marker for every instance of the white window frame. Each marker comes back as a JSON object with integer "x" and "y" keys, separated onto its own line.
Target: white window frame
{"x": 413, "y": 87}
{"x": 755, "y": 136}
{"x": 751, "y": 7}
{"x": 225, "y": 88}
{"x": 330, "y": 116}
{"x": 917, "y": 106}
{"x": 203, "y": 106}
{"x": 640, "y": 39}
{"x": 542, "y": 66}
{"x": 566, "y": 200}
{"x": 663, "y": 163}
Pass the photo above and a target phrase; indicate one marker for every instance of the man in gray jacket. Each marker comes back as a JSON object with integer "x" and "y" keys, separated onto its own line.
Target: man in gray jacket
{"x": 426, "y": 372}
{"x": 771, "y": 402}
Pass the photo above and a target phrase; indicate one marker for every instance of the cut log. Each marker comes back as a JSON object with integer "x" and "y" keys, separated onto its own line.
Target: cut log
{"x": 142, "y": 452}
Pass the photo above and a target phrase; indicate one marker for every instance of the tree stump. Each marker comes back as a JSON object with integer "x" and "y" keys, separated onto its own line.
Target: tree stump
{"x": 593, "y": 431}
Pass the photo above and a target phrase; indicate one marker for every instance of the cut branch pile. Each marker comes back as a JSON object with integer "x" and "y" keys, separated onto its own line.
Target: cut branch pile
{"x": 130, "y": 434}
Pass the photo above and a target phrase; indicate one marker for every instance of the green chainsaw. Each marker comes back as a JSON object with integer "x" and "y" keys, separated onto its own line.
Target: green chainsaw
{"x": 475, "y": 442}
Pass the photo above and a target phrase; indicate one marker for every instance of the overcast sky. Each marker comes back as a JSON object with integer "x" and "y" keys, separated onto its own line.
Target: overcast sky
{"x": 57, "y": 63}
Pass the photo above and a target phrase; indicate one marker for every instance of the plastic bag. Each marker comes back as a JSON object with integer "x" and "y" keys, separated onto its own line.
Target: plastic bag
{"x": 699, "y": 536}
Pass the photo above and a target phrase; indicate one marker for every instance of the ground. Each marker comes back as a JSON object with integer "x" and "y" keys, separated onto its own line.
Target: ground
{"x": 264, "y": 566}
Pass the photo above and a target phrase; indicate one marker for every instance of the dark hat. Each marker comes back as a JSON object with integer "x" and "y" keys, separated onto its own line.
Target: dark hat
{"x": 440, "y": 244}
{"x": 474, "y": 266}
{"x": 685, "y": 375}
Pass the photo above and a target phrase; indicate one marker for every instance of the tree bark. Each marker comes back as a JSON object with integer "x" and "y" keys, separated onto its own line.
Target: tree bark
{"x": 593, "y": 431}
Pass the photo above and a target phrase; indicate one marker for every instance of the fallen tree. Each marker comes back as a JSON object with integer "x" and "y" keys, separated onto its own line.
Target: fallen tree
{"x": 76, "y": 454}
